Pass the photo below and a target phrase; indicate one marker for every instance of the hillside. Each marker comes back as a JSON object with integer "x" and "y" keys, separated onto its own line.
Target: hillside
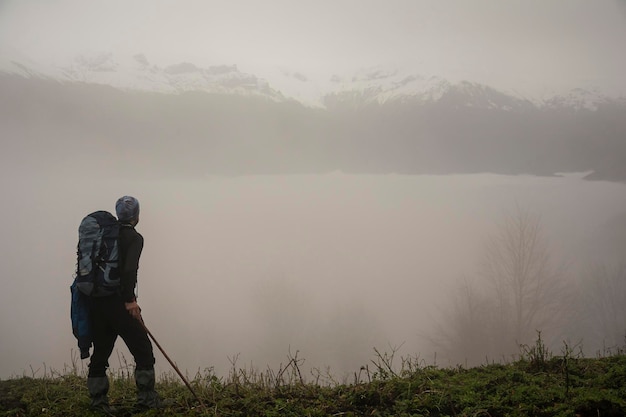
{"x": 536, "y": 385}
{"x": 46, "y": 124}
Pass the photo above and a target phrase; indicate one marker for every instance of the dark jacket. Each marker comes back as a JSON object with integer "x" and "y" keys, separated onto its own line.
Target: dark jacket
{"x": 131, "y": 245}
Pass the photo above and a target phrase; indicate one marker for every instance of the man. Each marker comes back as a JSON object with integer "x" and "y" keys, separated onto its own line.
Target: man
{"x": 119, "y": 315}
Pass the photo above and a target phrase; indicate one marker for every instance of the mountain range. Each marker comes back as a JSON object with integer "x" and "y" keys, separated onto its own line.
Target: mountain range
{"x": 220, "y": 120}
{"x": 374, "y": 85}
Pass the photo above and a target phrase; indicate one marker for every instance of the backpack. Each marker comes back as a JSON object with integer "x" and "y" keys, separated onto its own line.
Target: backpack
{"x": 97, "y": 273}
{"x": 97, "y": 265}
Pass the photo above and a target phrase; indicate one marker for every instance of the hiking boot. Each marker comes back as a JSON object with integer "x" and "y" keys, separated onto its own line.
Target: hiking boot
{"x": 98, "y": 389}
{"x": 147, "y": 397}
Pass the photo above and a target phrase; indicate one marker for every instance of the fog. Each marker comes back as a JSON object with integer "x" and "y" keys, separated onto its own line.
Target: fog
{"x": 258, "y": 267}
{"x": 253, "y": 268}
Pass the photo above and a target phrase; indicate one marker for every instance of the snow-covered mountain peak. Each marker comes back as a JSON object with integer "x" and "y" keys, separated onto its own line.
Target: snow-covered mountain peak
{"x": 389, "y": 82}
{"x": 384, "y": 86}
{"x": 98, "y": 63}
{"x": 579, "y": 98}
{"x": 137, "y": 73}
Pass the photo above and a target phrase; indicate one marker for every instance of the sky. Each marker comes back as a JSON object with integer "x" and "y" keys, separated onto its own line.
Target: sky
{"x": 512, "y": 44}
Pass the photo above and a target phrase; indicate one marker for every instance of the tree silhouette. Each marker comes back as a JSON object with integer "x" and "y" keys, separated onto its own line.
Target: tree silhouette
{"x": 518, "y": 291}
{"x": 600, "y": 319}
{"x": 526, "y": 284}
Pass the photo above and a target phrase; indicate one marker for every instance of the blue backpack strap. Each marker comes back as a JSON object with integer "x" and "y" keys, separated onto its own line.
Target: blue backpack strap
{"x": 81, "y": 320}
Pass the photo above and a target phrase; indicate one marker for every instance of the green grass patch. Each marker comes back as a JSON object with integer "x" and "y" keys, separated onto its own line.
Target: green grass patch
{"x": 534, "y": 385}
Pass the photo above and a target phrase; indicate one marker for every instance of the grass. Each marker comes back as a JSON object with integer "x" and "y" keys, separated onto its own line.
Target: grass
{"x": 537, "y": 384}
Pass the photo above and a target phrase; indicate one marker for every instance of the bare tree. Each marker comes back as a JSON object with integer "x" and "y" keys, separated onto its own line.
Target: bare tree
{"x": 526, "y": 285}
{"x": 601, "y": 307}
{"x": 519, "y": 290}
{"x": 462, "y": 336}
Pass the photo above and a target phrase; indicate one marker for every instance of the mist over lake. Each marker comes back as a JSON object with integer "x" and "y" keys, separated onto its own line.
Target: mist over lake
{"x": 254, "y": 268}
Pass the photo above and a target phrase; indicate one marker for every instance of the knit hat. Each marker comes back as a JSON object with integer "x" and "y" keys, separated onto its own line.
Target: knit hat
{"x": 127, "y": 208}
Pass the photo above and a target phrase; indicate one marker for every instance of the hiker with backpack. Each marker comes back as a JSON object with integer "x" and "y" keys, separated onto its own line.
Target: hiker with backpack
{"x": 105, "y": 305}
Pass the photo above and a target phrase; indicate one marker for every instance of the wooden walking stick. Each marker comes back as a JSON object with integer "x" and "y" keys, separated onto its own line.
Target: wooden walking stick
{"x": 180, "y": 374}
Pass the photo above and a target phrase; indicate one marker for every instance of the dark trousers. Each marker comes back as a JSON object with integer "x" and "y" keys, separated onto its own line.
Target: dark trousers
{"x": 110, "y": 319}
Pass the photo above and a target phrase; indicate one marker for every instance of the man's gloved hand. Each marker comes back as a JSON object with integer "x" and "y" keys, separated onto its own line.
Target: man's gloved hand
{"x": 133, "y": 309}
